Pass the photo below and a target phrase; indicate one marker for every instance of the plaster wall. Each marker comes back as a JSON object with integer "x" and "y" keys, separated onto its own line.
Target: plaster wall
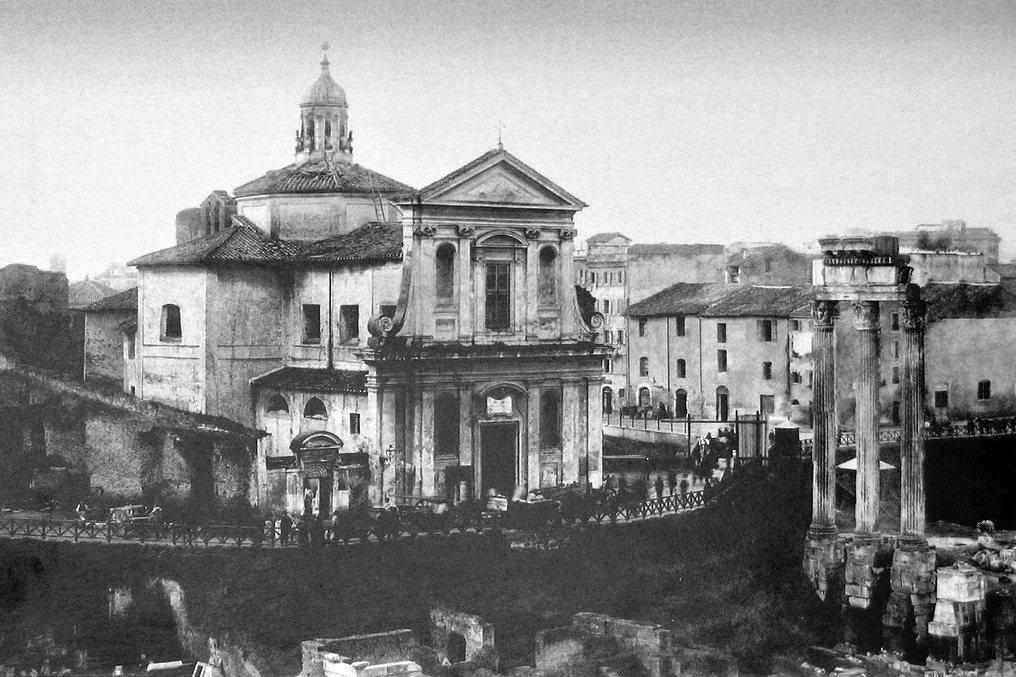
{"x": 104, "y": 345}
{"x": 961, "y": 352}
{"x": 311, "y": 216}
{"x": 369, "y": 287}
{"x": 174, "y": 372}
{"x": 650, "y": 273}
{"x": 244, "y": 337}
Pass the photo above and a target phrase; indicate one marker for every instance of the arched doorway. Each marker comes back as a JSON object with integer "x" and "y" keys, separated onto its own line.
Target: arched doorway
{"x": 608, "y": 400}
{"x": 681, "y": 403}
{"x": 722, "y": 403}
{"x": 645, "y": 398}
{"x": 317, "y": 451}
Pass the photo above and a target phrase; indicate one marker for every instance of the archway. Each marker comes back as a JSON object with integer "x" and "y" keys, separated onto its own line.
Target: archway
{"x": 722, "y": 403}
{"x": 608, "y": 400}
{"x": 681, "y": 403}
{"x": 645, "y": 397}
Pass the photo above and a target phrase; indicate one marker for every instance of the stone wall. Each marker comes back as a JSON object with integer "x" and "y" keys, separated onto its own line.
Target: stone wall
{"x": 476, "y": 634}
{"x": 104, "y": 346}
{"x": 595, "y": 640}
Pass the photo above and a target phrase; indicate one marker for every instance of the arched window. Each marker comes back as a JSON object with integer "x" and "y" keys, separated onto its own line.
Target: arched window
{"x": 547, "y": 279}
{"x": 277, "y": 405}
{"x": 446, "y": 425}
{"x": 170, "y": 329}
{"x": 682, "y": 369}
{"x": 550, "y": 420}
{"x": 315, "y": 409}
{"x": 645, "y": 397}
{"x": 445, "y": 273}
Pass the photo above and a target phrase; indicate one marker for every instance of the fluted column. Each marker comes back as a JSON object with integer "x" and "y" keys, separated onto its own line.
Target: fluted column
{"x": 823, "y": 496}
{"x": 867, "y": 416}
{"x": 912, "y": 432}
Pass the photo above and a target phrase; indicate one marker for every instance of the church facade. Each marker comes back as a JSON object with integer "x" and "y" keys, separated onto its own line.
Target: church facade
{"x": 391, "y": 342}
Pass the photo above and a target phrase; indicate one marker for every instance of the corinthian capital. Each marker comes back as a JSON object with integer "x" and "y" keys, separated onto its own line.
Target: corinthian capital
{"x": 913, "y": 315}
{"x": 825, "y": 314}
{"x": 866, "y": 315}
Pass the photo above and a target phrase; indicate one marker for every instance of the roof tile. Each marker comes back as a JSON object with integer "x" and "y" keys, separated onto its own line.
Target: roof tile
{"x": 323, "y": 177}
{"x": 314, "y": 380}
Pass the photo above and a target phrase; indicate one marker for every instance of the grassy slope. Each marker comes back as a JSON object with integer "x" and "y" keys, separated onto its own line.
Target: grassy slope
{"x": 727, "y": 576}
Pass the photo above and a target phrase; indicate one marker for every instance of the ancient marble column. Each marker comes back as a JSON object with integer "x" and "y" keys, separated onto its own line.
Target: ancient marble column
{"x": 866, "y": 321}
{"x": 912, "y": 431}
{"x": 823, "y": 497}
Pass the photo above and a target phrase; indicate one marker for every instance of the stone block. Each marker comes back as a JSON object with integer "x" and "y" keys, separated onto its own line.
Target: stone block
{"x": 960, "y": 583}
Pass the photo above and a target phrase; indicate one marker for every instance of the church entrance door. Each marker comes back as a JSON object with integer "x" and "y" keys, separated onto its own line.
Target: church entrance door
{"x": 498, "y": 442}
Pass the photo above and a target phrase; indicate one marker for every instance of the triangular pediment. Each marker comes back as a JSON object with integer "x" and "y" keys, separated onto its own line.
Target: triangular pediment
{"x": 500, "y": 178}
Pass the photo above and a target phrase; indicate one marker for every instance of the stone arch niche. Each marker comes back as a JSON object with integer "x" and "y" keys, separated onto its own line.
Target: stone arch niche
{"x": 501, "y": 433}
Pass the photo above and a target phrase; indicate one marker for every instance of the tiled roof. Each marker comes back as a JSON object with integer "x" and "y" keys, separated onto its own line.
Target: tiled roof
{"x": 87, "y": 292}
{"x": 323, "y": 177}
{"x": 683, "y": 298}
{"x": 124, "y": 301}
{"x": 313, "y": 380}
{"x": 241, "y": 243}
{"x": 752, "y": 301}
{"x": 958, "y": 301}
{"x": 678, "y": 249}
{"x": 606, "y": 237}
{"x": 373, "y": 242}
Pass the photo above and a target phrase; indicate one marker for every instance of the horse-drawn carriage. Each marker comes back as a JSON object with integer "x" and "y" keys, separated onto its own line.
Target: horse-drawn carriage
{"x": 134, "y": 520}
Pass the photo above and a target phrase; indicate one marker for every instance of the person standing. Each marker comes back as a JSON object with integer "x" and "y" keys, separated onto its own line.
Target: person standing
{"x": 285, "y": 527}
{"x": 672, "y": 481}
{"x": 659, "y": 486}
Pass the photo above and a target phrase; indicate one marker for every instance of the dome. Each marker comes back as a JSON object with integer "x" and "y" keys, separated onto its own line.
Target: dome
{"x": 325, "y": 92}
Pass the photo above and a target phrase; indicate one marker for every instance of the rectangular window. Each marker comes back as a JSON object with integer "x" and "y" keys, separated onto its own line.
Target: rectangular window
{"x": 795, "y": 325}
{"x": 620, "y": 337}
{"x": 894, "y": 321}
{"x": 607, "y": 336}
{"x": 349, "y": 323}
{"x": 610, "y": 278}
{"x": 499, "y": 295}
{"x": 620, "y": 277}
{"x": 132, "y": 341}
{"x": 896, "y": 349}
{"x": 642, "y": 326}
{"x": 795, "y": 377}
{"x": 941, "y": 399}
{"x": 311, "y": 323}
{"x": 896, "y": 413}
{"x": 171, "y": 328}
{"x": 984, "y": 390}
{"x": 354, "y": 424}
{"x": 643, "y": 366}
{"x": 679, "y": 322}
{"x": 896, "y": 374}
{"x": 620, "y": 394}
{"x": 606, "y": 306}
{"x": 767, "y": 404}
{"x": 721, "y": 360}
{"x": 767, "y": 370}
{"x": 592, "y": 279}
{"x": 606, "y": 365}
{"x": 721, "y": 332}
{"x": 767, "y": 330}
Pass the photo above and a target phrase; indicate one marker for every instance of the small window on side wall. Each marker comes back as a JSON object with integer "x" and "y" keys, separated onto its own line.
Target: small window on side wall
{"x": 941, "y": 399}
{"x": 354, "y": 423}
{"x": 311, "y": 323}
{"x": 171, "y": 329}
{"x": 984, "y": 390}
{"x": 277, "y": 405}
{"x": 349, "y": 323}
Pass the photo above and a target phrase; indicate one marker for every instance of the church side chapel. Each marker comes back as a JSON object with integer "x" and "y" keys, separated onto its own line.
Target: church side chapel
{"x": 393, "y": 343}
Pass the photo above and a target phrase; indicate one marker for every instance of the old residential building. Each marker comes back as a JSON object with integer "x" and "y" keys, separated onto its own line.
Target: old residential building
{"x": 706, "y": 350}
{"x": 391, "y": 342}
{"x": 951, "y": 234}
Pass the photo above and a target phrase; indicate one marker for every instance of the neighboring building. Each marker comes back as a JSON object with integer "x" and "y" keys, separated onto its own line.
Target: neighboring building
{"x": 951, "y": 235}
{"x": 951, "y": 266}
{"x": 601, "y": 269}
{"x": 110, "y": 329}
{"x": 767, "y": 264}
{"x": 82, "y": 294}
{"x": 215, "y": 213}
{"x": 118, "y": 277}
{"x": 707, "y": 350}
{"x": 654, "y": 267}
{"x": 442, "y": 354}
{"x": 34, "y": 322}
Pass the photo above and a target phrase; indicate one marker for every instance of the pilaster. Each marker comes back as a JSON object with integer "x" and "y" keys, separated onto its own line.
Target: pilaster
{"x": 533, "y": 437}
{"x": 866, "y": 321}
{"x": 594, "y": 443}
{"x": 427, "y": 442}
{"x": 569, "y": 432}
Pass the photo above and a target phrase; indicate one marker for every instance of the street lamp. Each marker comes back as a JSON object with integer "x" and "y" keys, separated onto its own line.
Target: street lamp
{"x": 387, "y": 455}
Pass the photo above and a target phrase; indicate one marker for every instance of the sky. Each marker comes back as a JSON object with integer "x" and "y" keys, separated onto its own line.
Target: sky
{"x": 676, "y": 121}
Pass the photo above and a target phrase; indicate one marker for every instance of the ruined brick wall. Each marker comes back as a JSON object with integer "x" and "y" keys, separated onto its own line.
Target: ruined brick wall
{"x": 103, "y": 346}
{"x": 477, "y": 633}
{"x": 34, "y": 319}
